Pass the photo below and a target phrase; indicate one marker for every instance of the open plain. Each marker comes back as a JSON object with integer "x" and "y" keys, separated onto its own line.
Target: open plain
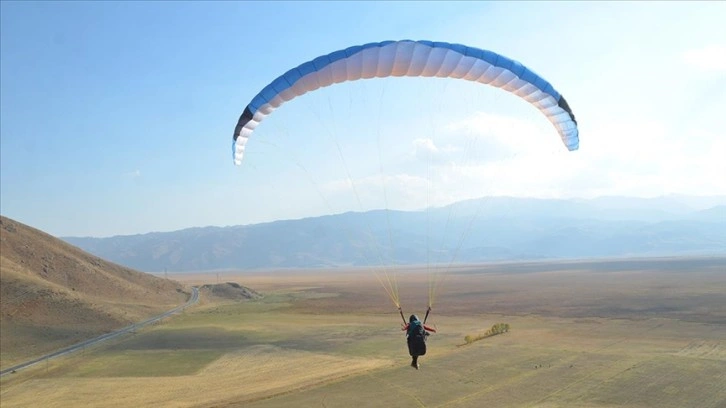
{"x": 611, "y": 333}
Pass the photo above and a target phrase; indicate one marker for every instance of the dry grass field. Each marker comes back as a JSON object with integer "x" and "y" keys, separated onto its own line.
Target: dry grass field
{"x": 625, "y": 333}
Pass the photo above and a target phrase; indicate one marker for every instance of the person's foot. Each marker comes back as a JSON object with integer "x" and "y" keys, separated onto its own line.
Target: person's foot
{"x": 414, "y": 365}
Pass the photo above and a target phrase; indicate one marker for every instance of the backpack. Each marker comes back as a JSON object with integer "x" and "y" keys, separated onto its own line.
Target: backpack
{"x": 416, "y": 329}
{"x": 416, "y": 339}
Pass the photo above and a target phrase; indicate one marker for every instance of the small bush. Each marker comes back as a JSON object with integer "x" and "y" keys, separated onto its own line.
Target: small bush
{"x": 499, "y": 328}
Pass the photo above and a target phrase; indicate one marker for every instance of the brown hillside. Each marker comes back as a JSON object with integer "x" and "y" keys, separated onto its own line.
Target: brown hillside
{"x": 53, "y": 294}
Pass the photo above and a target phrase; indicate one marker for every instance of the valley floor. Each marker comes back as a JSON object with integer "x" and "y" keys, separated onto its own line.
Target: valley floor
{"x": 593, "y": 337}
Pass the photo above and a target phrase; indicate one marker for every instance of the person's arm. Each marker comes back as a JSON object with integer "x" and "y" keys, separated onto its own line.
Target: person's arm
{"x": 403, "y": 328}
{"x": 429, "y": 329}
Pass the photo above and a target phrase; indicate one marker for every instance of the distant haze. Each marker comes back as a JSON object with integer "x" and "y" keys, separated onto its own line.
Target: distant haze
{"x": 487, "y": 229}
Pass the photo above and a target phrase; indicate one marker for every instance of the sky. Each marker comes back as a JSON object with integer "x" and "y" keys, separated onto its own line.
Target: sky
{"x": 116, "y": 118}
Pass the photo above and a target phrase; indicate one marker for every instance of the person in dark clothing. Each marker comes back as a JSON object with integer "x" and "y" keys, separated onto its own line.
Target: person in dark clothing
{"x": 416, "y": 334}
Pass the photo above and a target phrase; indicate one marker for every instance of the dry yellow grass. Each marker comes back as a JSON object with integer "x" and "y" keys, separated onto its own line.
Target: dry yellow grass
{"x": 579, "y": 338}
{"x": 239, "y": 376}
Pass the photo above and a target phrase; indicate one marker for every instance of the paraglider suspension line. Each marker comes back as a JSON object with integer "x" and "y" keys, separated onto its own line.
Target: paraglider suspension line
{"x": 427, "y": 314}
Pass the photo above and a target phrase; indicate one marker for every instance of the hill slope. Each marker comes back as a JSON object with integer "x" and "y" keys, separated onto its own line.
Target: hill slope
{"x": 53, "y": 294}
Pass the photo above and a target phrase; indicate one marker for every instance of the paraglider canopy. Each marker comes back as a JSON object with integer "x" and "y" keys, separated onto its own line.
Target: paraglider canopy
{"x": 412, "y": 59}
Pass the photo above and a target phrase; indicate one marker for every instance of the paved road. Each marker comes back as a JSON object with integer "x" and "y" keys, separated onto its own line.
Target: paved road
{"x": 192, "y": 300}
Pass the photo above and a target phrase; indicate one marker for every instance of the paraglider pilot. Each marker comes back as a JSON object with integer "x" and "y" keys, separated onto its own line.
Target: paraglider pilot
{"x": 416, "y": 334}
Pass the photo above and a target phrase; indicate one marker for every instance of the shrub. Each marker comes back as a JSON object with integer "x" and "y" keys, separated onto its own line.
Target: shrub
{"x": 498, "y": 328}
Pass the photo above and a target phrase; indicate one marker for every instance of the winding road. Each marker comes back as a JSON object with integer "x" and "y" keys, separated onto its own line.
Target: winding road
{"x": 192, "y": 300}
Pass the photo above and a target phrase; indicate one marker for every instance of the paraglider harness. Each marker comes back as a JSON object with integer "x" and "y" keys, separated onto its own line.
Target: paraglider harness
{"x": 416, "y": 333}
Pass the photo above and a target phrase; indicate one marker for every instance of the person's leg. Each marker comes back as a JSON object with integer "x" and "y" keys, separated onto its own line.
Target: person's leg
{"x": 414, "y": 362}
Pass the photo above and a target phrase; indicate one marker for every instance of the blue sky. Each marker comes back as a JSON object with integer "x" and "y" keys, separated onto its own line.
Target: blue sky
{"x": 116, "y": 117}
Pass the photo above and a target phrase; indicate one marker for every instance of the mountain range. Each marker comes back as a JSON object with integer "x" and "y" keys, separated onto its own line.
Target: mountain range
{"x": 479, "y": 230}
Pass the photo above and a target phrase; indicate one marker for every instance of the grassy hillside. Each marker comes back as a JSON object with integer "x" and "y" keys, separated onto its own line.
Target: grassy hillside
{"x": 53, "y": 294}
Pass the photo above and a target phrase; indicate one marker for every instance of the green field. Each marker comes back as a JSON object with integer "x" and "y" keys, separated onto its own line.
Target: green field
{"x": 582, "y": 335}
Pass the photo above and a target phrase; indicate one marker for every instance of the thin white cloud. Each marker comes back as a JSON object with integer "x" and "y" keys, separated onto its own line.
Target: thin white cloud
{"x": 133, "y": 174}
{"x": 425, "y": 146}
{"x": 642, "y": 158}
{"x": 426, "y": 150}
{"x": 711, "y": 58}
{"x": 492, "y": 137}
